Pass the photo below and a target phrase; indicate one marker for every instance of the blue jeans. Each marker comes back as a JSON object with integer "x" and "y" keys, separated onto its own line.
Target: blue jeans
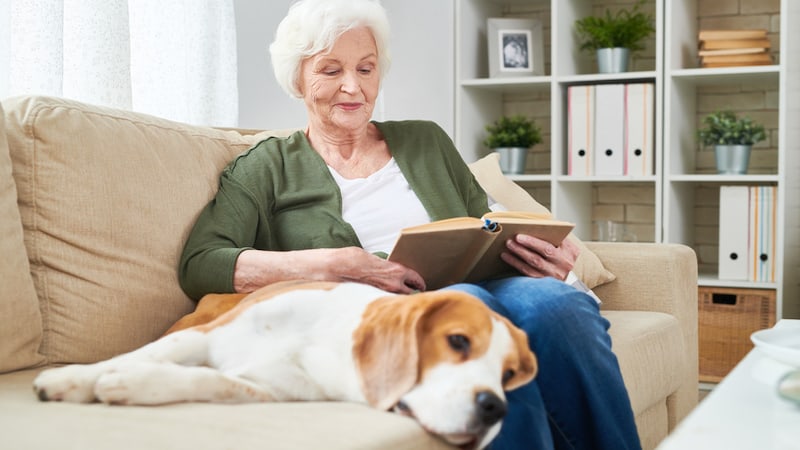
{"x": 578, "y": 399}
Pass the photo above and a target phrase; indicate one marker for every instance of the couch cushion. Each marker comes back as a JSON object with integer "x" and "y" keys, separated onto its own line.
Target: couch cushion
{"x": 651, "y": 352}
{"x": 107, "y": 198}
{"x": 20, "y": 320}
{"x": 26, "y": 423}
{"x": 509, "y": 194}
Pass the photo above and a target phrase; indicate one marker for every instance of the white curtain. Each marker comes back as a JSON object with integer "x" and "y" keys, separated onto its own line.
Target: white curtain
{"x": 175, "y": 59}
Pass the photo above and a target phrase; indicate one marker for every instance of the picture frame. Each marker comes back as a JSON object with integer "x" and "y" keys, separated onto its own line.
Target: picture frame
{"x": 516, "y": 47}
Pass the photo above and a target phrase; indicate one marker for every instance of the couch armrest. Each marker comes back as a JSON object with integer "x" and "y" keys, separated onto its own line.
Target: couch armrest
{"x": 650, "y": 277}
{"x": 656, "y": 277}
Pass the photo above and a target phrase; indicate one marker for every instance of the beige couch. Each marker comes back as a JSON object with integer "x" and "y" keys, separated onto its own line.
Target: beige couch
{"x": 95, "y": 204}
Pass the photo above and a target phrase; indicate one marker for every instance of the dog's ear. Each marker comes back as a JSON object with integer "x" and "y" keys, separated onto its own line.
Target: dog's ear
{"x": 523, "y": 362}
{"x": 386, "y": 347}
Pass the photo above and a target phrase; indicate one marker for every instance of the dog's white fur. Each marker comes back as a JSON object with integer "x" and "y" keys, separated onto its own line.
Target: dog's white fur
{"x": 299, "y": 345}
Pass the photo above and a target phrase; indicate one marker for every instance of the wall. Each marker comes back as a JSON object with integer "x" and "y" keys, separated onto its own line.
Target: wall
{"x": 418, "y": 86}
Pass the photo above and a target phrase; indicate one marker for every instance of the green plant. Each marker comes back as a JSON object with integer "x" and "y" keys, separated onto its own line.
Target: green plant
{"x": 724, "y": 128}
{"x": 626, "y": 28}
{"x": 513, "y": 131}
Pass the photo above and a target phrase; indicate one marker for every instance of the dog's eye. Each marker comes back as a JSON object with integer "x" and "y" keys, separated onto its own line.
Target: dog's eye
{"x": 508, "y": 375}
{"x": 458, "y": 342}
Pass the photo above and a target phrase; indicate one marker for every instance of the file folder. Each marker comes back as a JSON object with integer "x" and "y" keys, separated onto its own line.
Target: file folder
{"x": 609, "y": 127}
{"x": 734, "y": 232}
{"x": 580, "y": 130}
{"x": 761, "y": 252}
{"x": 639, "y": 125}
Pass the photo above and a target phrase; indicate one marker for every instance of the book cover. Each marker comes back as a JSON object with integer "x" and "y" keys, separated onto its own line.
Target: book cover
{"x": 727, "y": 44}
{"x": 754, "y": 58}
{"x": 731, "y": 51}
{"x": 468, "y": 248}
{"x": 734, "y": 64}
{"x": 706, "y": 35}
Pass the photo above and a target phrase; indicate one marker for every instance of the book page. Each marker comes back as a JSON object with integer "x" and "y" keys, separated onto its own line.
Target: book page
{"x": 501, "y": 216}
{"x": 445, "y": 224}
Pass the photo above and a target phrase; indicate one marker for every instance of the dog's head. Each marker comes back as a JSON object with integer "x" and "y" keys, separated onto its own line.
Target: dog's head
{"x": 444, "y": 359}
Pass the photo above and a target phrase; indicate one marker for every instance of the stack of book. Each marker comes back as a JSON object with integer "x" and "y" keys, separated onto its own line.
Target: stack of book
{"x": 728, "y": 48}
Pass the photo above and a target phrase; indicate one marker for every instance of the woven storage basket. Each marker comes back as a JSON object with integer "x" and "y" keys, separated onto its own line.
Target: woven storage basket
{"x": 728, "y": 317}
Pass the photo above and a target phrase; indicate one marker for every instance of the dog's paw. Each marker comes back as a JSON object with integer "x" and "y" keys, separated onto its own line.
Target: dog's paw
{"x": 132, "y": 384}
{"x": 73, "y": 383}
{"x": 113, "y": 388}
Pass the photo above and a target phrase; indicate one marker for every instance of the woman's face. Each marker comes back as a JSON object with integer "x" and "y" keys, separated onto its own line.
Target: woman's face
{"x": 340, "y": 87}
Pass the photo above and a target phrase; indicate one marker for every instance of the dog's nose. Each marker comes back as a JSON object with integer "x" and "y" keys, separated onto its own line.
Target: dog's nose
{"x": 491, "y": 408}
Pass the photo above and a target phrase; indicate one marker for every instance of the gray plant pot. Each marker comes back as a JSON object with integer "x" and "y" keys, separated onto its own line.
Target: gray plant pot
{"x": 612, "y": 60}
{"x": 512, "y": 159}
{"x": 732, "y": 159}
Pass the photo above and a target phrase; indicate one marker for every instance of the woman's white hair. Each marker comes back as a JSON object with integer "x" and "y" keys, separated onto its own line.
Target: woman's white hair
{"x": 313, "y": 26}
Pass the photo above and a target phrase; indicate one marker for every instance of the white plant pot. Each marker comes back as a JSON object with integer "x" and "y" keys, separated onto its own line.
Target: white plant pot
{"x": 732, "y": 159}
{"x": 512, "y": 159}
{"x": 612, "y": 60}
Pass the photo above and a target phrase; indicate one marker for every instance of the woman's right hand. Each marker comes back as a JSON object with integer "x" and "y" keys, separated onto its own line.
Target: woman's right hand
{"x": 257, "y": 268}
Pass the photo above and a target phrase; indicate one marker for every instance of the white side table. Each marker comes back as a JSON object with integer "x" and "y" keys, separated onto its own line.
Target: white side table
{"x": 743, "y": 411}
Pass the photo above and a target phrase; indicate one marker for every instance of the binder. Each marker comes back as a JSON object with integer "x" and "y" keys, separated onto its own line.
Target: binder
{"x": 734, "y": 232}
{"x": 609, "y": 127}
{"x": 639, "y": 125}
{"x": 580, "y": 134}
{"x": 762, "y": 222}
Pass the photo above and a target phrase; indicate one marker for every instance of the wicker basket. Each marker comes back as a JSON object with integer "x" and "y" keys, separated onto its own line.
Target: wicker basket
{"x": 727, "y": 318}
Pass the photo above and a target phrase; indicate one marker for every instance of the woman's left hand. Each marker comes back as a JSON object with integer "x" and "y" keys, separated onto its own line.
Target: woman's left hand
{"x": 538, "y": 258}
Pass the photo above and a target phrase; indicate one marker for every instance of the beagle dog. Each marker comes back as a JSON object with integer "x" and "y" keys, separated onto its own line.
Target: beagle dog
{"x": 442, "y": 358}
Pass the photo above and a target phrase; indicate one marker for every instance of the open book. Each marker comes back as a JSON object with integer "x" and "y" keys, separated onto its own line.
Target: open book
{"x": 467, "y": 249}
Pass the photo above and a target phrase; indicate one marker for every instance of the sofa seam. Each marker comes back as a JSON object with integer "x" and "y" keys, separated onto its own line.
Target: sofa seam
{"x": 44, "y": 301}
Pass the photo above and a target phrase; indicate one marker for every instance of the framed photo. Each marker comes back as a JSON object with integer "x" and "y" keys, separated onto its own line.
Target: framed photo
{"x": 515, "y": 47}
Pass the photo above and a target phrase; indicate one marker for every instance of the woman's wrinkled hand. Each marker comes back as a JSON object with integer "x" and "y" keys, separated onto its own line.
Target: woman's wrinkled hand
{"x": 538, "y": 258}
{"x": 356, "y": 264}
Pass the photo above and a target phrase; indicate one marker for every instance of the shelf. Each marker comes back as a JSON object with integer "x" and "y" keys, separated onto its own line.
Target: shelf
{"x": 510, "y": 84}
{"x": 682, "y": 195}
{"x": 712, "y": 178}
{"x": 728, "y": 75}
{"x": 600, "y": 78}
{"x": 616, "y": 179}
{"x": 711, "y": 280}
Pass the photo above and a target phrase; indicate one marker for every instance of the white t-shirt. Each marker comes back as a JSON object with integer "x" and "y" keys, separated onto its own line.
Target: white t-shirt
{"x": 379, "y": 206}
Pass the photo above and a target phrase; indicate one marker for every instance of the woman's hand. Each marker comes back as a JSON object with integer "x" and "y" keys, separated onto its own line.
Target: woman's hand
{"x": 257, "y": 268}
{"x": 538, "y": 258}
{"x": 356, "y": 264}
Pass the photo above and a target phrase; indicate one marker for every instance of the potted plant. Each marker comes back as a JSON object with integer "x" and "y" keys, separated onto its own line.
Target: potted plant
{"x": 732, "y": 139}
{"x": 615, "y": 36}
{"x": 512, "y": 136}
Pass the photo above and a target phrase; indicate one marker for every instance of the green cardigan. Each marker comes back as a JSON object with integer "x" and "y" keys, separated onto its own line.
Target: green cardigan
{"x": 280, "y": 196}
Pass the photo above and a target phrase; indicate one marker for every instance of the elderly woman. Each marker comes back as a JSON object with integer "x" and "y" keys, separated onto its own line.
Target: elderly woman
{"x": 322, "y": 203}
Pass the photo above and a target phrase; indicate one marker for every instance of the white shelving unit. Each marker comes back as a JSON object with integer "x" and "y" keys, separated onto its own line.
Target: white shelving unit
{"x": 480, "y": 100}
{"x": 681, "y": 175}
